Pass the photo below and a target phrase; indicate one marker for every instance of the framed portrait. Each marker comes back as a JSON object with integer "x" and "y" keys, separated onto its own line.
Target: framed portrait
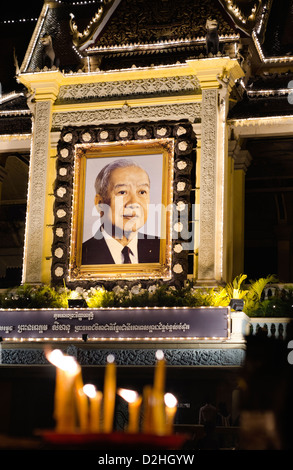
{"x": 97, "y": 168}
{"x": 122, "y": 210}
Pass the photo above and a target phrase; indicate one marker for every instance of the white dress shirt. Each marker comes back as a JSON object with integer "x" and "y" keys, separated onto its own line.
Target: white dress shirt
{"x": 116, "y": 247}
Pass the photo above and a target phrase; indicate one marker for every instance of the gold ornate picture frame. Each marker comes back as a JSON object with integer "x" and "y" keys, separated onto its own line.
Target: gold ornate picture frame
{"x": 156, "y": 157}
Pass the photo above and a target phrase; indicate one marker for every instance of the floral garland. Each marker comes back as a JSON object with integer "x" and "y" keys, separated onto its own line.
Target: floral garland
{"x": 274, "y": 301}
{"x": 184, "y": 143}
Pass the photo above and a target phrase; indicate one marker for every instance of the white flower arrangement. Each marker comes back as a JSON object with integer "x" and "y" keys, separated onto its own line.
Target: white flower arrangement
{"x": 181, "y": 165}
{"x": 142, "y": 132}
{"x": 181, "y": 130}
{"x": 178, "y": 227}
{"x": 62, "y": 171}
{"x": 123, "y": 134}
{"x": 162, "y": 131}
{"x": 59, "y": 252}
{"x": 64, "y": 153}
{"x": 181, "y": 186}
{"x": 59, "y": 271}
{"x": 61, "y": 191}
{"x": 61, "y": 213}
{"x": 68, "y": 137}
{"x": 152, "y": 289}
{"x": 180, "y": 206}
{"x": 136, "y": 290}
{"x": 86, "y": 137}
{"x": 59, "y": 232}
{"x": 182, "y": 146}
{"x": 178, "y": 248}
{"x": 177, "y": 268}
{"x": 104, "y": 135}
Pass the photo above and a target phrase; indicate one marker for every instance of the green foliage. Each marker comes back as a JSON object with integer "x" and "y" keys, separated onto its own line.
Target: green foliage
{"x": 234, "y": 290}
{"x": 253, "y": 297}
{"x": 250, "y": 292}
{"x": 28, "y": 296}
{"x": 280, "y": 304}
{"x": 157, "y": 295}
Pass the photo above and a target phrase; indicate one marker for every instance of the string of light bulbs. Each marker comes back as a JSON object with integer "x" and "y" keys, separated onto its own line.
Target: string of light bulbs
{"x": 19, "y": 20}
{"x": 27, "y": 20}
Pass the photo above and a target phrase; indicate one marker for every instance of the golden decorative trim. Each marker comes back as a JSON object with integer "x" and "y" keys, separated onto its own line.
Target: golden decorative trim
{"x": 81, "y": 40}
{"x": 160, "y": 270}
{"x": 245, "y": 22}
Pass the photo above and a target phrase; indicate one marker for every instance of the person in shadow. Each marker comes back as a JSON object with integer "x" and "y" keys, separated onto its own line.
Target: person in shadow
{"x": 208, "y": 413}
{"x": 209, "y": 441}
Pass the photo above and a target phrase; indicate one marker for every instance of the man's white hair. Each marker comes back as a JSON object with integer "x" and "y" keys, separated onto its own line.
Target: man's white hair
{"x": 103, "y": 178}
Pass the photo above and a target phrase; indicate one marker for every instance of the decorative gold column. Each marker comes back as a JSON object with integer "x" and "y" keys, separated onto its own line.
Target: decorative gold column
{"x": 208, "y": 190}
{"x": 44, "y": 88}
{"x": 241, "y": 161}
{"x": 217, "y": 77}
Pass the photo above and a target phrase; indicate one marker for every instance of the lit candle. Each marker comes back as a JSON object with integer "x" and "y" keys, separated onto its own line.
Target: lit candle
{"x": 170, "y": 410}
{"x": 147, "y": 427}
{"x": 158, "y": 411}
{"x": 82, "y": 409}
{"x": 134, "y": 402}
{"x": 81, "y": 402}
{"x": 160, "y": 372}
{"x": 95, "y": 398}
{"x": 109, "y": 394}
{"x": 67, "y": 369}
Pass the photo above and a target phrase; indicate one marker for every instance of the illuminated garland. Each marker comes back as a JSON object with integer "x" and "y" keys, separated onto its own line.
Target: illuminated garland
{"x": 106, "y": 6}
{"x": 20, "y": 20}
{"x": 238, "y": 13}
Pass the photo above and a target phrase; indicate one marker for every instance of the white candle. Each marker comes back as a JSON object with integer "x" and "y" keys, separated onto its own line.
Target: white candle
{"x": 158, "y": 412}
{"x": 67, "y": 369}
{"x": 109, "y": 394}
{"x": 134, "y": 402}
{"x": 95, "y": 398}
{"x": 82, "y": 409}
{"x": 147, "y": 423}
{"x": 160, "y": 372}
{"x": 170, "y": 410}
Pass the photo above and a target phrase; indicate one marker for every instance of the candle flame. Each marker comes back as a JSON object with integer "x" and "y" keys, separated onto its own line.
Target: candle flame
{"x": 110, "y": 358}
{"x": 170, "y": 400}
{"x": 128, "y": 395}
{"x": 90, "y": 390}
{"x": 66, "y": 363}
{"x": 159, "y": 355}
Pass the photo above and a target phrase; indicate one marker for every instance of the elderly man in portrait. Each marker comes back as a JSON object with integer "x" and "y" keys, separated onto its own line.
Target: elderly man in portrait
{"x": 122, "y": 199}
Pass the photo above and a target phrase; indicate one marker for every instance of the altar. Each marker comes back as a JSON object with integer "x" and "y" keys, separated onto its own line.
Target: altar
{"x": 131, "y": 183}
{"x": 189, "y": 336}
{"x": 199, "y": 345}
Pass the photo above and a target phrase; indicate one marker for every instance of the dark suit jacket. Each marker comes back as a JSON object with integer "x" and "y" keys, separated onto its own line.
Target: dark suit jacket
{"x": 96, "y": 251}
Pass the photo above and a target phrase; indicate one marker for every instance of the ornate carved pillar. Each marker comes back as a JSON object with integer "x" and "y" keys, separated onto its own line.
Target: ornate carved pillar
{"x": 37, "y": 193}
{"x": 206, "y": 258}
{"x": 45, "y": 89}
{"x": 217, "y": 77}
